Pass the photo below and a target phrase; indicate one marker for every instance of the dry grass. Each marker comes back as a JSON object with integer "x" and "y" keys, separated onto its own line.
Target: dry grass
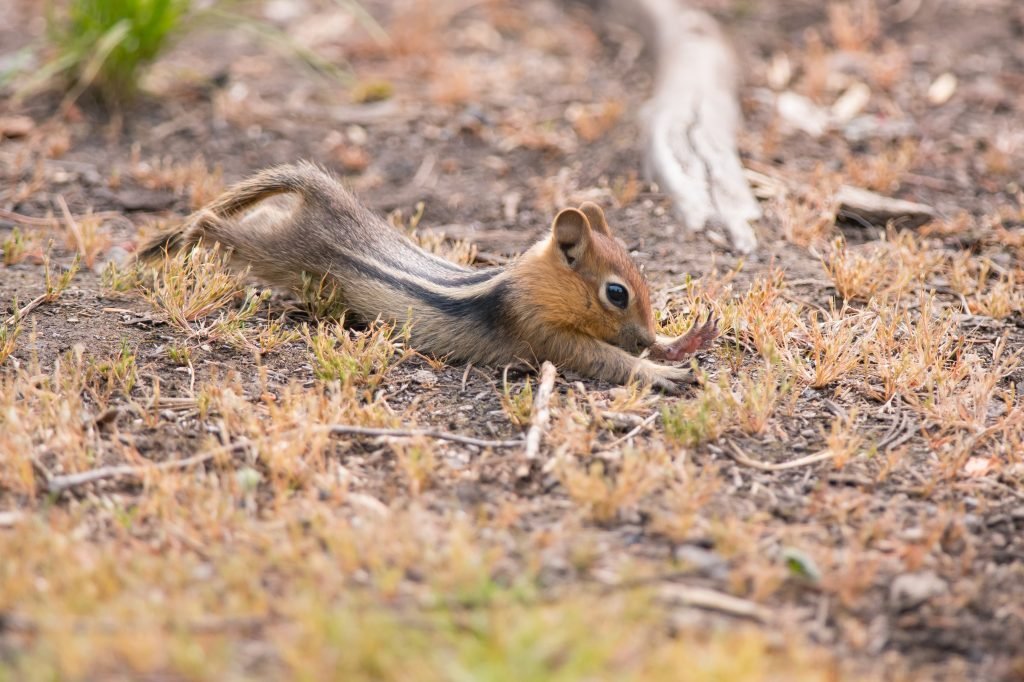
{"x": 189, "y": 291}
{"x": 193, "y": 179}
{"x": 15, "y": 247}
{"x": 859, "y": 419}
{"x": 9, "y": 332}
{"x": 354, "y": 358}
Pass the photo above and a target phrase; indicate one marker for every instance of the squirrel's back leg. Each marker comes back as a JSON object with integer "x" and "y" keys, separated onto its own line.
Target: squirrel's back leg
{"x": 184, "y": 236}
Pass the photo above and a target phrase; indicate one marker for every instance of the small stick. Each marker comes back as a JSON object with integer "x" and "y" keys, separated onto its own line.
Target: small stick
{"x": 541, "y": 410}
{"x": 70, "y": 222}
{"x": 52, "y": 222}
{"x": 345, "y": 430}
{"x": 57, "y": 484}
{"x": 696, "y": 597}
{"x": 712, "y": 600}
{"x": 13, "y": 217}
{"x": 737, "y": 454}
{"x": 635, "y": 430}
{"x": 29, "y": 307}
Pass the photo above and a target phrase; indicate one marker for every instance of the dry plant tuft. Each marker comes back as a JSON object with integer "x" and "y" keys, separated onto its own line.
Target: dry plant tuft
{"x": 417, "y": 461}
{"x": 322, "y": 298}
{"x": 854, "y": 24}
{"x": 435, "y": 242}
{"x": 757, "y": 397}
{"x": 762, "y": 316}
{"x": 842, "y": 439}
{"x": 856, "y": 275}
{"x": 119, "y": 279}
{"x": 356, "y": 358}
{"x": 834, "y": 345}
{"x": 912, "y": 355}
{"x": 57, "y": 283}
{"x": 116, "y": 374}
{"x": 192, "y": 288}
{"x": 518, "y": 405}
{"x": 806, "y": 220}
{"x": 15, "y": 247}
{"x": 86, "y": 235}
{"x": 458, "y": 251}
{"x": 892, "y": 267}
{"x": 193, "y": 179}
{"x": 9, "y": 332}
{"x": 690, "y": 491}
{"x": 605, "y": 493}
{"x": 746, "y": 405}
{"x": 592, "y": 121}
{"x": 882, "y": 172}
{"x": 180, "y": 354}
{"x": 703, "y": 418}
{"x": 984, "y": 291}
{"x": 274, "y": 335}
{"x": 626, "y": 188}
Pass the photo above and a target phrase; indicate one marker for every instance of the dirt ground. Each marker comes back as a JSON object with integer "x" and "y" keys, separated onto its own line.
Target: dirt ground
{"x": 897, "y": 555}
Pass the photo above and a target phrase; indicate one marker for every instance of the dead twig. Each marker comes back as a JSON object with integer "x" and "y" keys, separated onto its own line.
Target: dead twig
{"x": 52, "y": 221}
{"x": 741, "y": 457}
{"x": 345, "y": 430}
{"x": 58, "y": 484}
{"x": 27, "y": 308}
{"x": 634, "y": 431}
{"x": 704, "y": 598}
{"x": 695, "y": 597}
{"x": 905, "y": 431}
{"x": 541, "y": 410}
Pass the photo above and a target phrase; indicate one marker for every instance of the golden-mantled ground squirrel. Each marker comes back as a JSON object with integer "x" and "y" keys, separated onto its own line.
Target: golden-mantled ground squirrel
{"x": 575, "y": 298}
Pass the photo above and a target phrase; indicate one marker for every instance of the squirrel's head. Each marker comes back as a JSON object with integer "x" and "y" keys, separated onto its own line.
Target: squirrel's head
{"x": 597, "y": 289}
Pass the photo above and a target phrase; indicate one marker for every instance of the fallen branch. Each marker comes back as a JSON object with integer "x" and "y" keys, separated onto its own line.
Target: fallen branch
{"x": 741, "y": 457}
{"x": 691, "y": 120}
{"x": 541, "y": 410}
{"x": 875, "y": 209}
{"x": 854, "y": 203}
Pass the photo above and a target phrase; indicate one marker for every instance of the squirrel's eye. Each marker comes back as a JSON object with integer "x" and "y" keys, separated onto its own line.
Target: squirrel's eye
{"x": 618, "y": 295}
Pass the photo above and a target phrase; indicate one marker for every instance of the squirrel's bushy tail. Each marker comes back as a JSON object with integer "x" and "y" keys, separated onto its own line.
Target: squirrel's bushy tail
{"x": 309, "y": 180}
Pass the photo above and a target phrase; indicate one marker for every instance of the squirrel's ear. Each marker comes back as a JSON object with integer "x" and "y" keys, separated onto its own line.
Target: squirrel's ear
{"x": 595, "y": 216}
{"x": 571, "y": 232}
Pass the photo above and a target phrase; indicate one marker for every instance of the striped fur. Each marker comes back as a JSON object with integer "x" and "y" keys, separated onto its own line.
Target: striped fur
{"x": 295, "y": 220}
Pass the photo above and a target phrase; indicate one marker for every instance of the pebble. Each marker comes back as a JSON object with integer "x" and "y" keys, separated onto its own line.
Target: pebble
{"x": 911, "y": 590}
{"x": 706, "y": 562}
{"x": 424, "y": 377}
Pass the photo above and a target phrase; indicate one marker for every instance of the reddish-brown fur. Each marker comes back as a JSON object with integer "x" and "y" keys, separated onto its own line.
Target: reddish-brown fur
{"x": 550, "y": 304}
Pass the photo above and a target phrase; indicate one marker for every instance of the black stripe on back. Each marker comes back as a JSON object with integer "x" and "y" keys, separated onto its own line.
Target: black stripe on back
{"x": 488, "y": 308}
{"x": 471, "y": 277}
{"x": 446, "y": 272}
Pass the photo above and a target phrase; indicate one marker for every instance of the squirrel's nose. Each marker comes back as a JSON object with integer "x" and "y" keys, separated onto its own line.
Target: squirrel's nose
{"x": 644, "y": 339}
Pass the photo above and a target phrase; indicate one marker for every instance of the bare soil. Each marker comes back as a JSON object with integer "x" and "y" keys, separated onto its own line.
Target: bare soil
{"x": 500, "y": 114}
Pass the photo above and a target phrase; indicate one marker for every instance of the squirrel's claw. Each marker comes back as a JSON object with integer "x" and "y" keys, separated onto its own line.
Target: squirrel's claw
{"x": 698, "y": 338}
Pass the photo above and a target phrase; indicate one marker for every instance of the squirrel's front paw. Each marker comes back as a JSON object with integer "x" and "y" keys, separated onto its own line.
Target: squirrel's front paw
{"x": 668, "y": 379}
{"x": 698, "y": 338}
